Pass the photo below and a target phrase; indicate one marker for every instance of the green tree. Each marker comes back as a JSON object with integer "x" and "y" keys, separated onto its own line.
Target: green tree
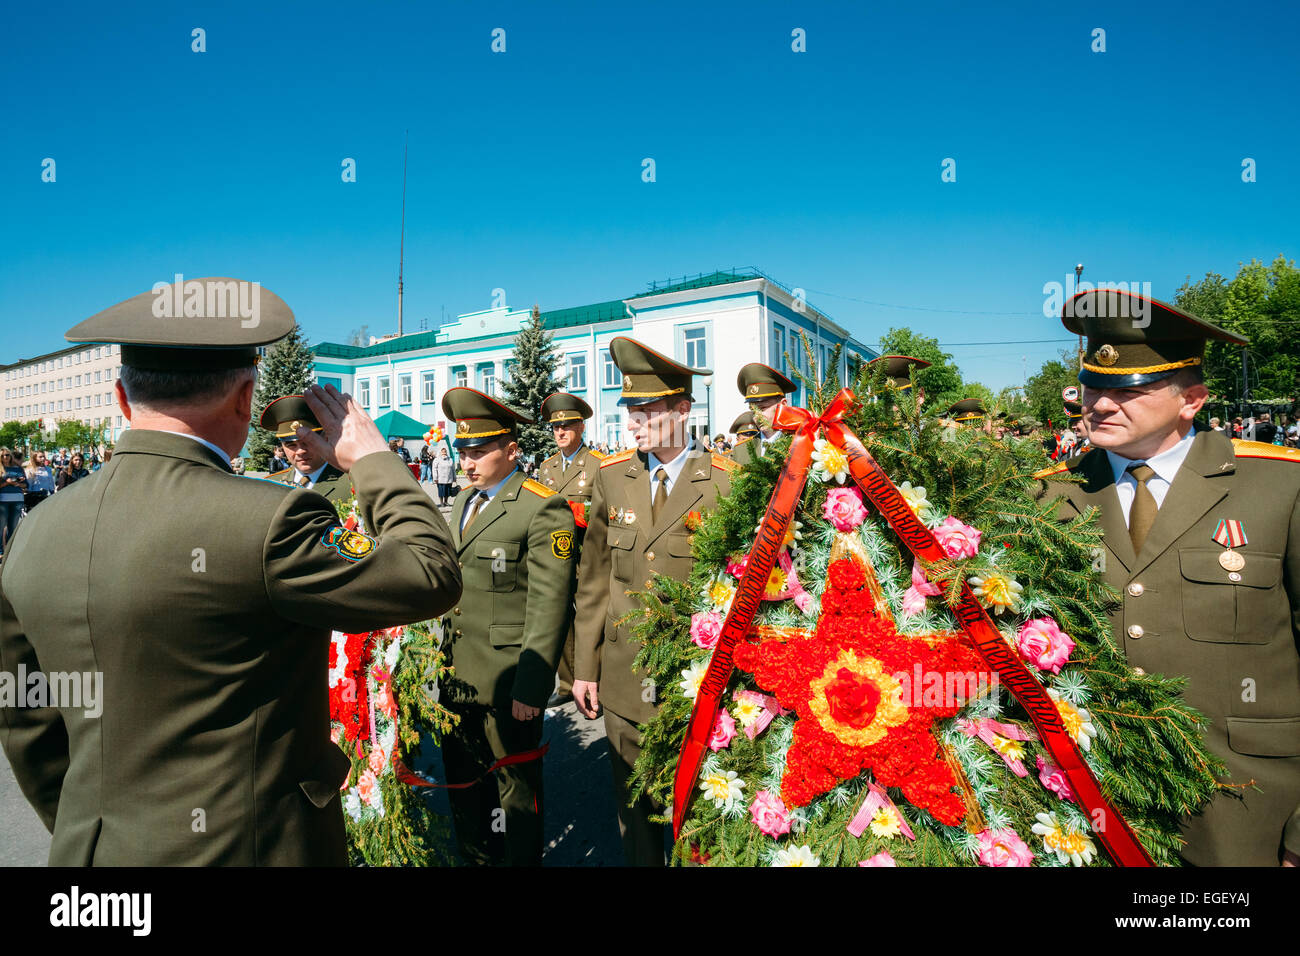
{"x": 286, "y": 369}
{"x": 20, "y": 436}
{"x": 942, "y": 381}
{"x": 531, "y": 379}
{"x": 1043, "y": 390}
{"x": 75, "y": 434}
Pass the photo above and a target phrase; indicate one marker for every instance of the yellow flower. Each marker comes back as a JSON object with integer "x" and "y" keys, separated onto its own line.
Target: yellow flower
{"x": 775, "y": 584}
{"x": 747, "y": 711}
{"x": 793, "y": 534}
{"x": 829, "y": 462}
{"x": 692, "y": 678}
{"x": 885, "y": 823}
{"x": 1013, "y": 749}
{"x": 721, "y": 595}
{"x": 722, "y": 788}
{"x": 1077, "y": 720}
{"x": 796, "y": 856}
{"x": 1069, "y": 845}
{"x": 916, "y": 499}
{"x": 997, "y": 591}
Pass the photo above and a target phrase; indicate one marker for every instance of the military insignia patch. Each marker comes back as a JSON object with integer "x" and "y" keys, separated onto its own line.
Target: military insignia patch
{"x": 1106, "y": 355}
{"x": 352, "y": 545}
{"x": 562, "y": 544}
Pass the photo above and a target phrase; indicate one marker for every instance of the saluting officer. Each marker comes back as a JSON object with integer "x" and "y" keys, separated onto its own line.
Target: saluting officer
{"x": 638, "y": 528}
{"x": 308, "y": 468}
{"x": 765, "y": 389}
{"x": 1202, "y": 538}
{"x": 515, "y": 541}
{"x": 205, "y": 601}
{"x": 571, "y": 472}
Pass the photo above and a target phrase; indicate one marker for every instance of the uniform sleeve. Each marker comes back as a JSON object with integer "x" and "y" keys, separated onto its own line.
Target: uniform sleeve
{"x": 405, "y": 571}
{"x": 34, "y": 739}
{"x": 549, "y": 608}
{"x": 593, "y": 588}
{"x": 1291, "y": 832}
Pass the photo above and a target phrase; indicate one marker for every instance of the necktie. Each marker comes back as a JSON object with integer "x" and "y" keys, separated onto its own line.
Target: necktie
{"x": 475, "y": 507}
{"x": 303, "y": 480}
{"x": 661, "y": 493}
{"x": 565, "y": 466}
{"x": 1142, "y": 515}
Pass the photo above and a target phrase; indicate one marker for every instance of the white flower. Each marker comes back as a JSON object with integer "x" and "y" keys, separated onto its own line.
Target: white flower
{"x": 917, "y": 501}
{"x": 692, "y": 678}
{"x": 793, "y": 535}
{"x": 748, "y": 709}
{"x": 796, "y": 856}
{"x": 886, "y": 823}
{"x": 352, "y": 805}
{"x": 1069, "y": 845}
{"x": 829, "y": 462}
{"x": 394, "y": 651}
{"x": 1077, "y": 720}
{"x": 722, "y": 788}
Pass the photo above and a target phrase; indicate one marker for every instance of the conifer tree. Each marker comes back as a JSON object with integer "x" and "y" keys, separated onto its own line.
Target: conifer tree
{"x": 285, "y": 370}
{"x": 531, "y": 379}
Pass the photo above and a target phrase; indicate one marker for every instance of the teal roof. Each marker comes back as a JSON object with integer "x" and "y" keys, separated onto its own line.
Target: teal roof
{"x": 396, "y": 424}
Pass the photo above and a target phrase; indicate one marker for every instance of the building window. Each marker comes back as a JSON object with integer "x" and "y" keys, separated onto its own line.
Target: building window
{"x": 487, "y": 379}
{"x": 778, "y": 348}
{"x": 404, "y": 388}
{"x": 461, "y": 374}
{"x": 426, "y": 387}
{"x": 613, "y": 377}
{"x": 613, "y": 433}
{"x": 78, "y": 402}
{"x": 578, "y": 372}
{"x": 363, "y": 392}
{"x": 695, "y": 347}
{"x": 385, "y": 391}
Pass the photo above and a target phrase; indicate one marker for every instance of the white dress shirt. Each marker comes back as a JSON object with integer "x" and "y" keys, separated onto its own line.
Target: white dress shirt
{"x": 1165, "y": 465}
{"x": 221, "y": 453}
{"x": 672, "y": 468}
{"x": 487, "y": 494}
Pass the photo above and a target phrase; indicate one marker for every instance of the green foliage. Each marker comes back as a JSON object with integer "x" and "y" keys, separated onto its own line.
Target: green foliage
{"x": 286, "y": 369}
{"x": 942, "y": 381}
{"x": 21, "y": 437}
{"x": 1149, "y": 757}
{"x": 531, "y": 380}
{"x": 1263, "y": 304}
{"x": 1043, "y": 391}
{"x": 73, "y": 433}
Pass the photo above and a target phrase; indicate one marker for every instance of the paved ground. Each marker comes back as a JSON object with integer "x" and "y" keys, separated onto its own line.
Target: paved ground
{"x": 581, "y": 824}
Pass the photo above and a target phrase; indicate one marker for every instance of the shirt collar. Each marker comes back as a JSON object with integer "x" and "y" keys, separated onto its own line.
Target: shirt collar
{"x": 202, "y": 441}
{"x": 1165, "y": 464}
{"x": 492, "y": 492}
{"x": 674, "y": 467}
{"x": 315, "y": 475}
{"x": 569, "y": 458}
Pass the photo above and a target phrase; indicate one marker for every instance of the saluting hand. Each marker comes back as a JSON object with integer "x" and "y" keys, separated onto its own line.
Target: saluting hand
{"x": 347, "y": 433}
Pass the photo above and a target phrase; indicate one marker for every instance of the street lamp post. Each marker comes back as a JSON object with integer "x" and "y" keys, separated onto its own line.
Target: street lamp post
{"x": 708, "y": 404}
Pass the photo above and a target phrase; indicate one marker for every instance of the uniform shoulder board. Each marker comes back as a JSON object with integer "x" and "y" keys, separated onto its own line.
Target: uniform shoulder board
{"x": 553, "y": 458}
{"x": 1259, "y": 449}
{"x": 537, "y": 488}
{"x": 615, "y": 459}
{"x": 741, "y": 441}
{"x": 1056, "y": 469}
{"x": 276, "y": 475}
{"x": 599, "y": 456}
{"x": 726, "y": 464}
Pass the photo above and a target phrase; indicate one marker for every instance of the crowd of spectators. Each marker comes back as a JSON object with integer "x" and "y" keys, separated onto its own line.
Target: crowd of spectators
{"x": 26, "y": 483}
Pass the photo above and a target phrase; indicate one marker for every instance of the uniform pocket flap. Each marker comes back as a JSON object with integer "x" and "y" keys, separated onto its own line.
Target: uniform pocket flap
{"x": 622, "y": 538}
{"x": 1265, "y": 736}
{"x": 323, "y": 782}
{"x": 506, "y": 635}
{"x": 678, "y": 545}
{"x": 497, "y": 549}
{"x": 1257, "y": 571}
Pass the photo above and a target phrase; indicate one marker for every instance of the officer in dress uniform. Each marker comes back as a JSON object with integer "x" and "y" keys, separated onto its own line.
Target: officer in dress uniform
{"x": 205, "y": 601}
{"x": 570, "y": 472}
{"x": 765, "y": 389}
{"x": 745, "y": 429}
{"x": 307, "y": 468}
{"x": 515, "y": 541}
{"x": 641, "y": 511}
{"x": 1202, "y": 538}
{"x": 966, "y": 411}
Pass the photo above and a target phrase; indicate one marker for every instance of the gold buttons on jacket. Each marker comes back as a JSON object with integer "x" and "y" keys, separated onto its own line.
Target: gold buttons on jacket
{"x": 1135, "y": 631}
{"x": 458, "y": 632}
{"x": 649, "y": 555}
{"x": 648, "y": 584}
{"x": 461, "y": 563}
{"x": 456, "y": 611}
{"x": 1135, "y": 589}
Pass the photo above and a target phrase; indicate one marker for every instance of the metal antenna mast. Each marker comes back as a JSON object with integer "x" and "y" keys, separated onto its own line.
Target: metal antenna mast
{"x": 401, "y": 255}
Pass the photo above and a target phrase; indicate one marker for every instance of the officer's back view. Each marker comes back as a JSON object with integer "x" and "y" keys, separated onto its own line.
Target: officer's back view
{"x": 205, "y": 601}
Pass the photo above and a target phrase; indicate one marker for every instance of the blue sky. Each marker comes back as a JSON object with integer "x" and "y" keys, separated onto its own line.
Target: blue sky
{"x": 821, "y": 168}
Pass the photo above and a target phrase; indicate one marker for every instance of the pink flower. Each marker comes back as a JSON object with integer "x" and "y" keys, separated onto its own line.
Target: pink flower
{"x": 376, "y": 760}
{"x": 736, "y": 566}
{"x": 1003, "y": 848}
{"x": 367, "y": 783}
{"x": 880, "y": 859}
{"x": 705, "y": 628}
{"x": 1053, "y": 779}
{"x": 724, "y": 728}
{"x": 336, "y": 734}
{"x": 844, "y": 508}
{"x": 770, "y": 814}
{"x": 914, "y": 597}
{"x": 957, "y": 539}
{"x": 1043, "y": 644}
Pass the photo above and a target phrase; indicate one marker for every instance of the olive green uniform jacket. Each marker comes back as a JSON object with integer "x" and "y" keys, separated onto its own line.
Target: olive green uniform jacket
{"x": 333, "y": 485}
{"x": 745, "y": 451}
{"x": 1234, "y": 639}
{"x": 623, "y": 551}
{"x": 206, "y": 601}
{"x": 505, "y": 635}
{"x": 577, "y": 481}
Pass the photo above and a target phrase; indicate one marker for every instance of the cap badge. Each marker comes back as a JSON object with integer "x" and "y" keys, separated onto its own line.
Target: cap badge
{"x": 753, "y": 388}
{"x": 462, "y": 427}
{"x": 295, "y": 425}
{"x": 1106, "y": 355}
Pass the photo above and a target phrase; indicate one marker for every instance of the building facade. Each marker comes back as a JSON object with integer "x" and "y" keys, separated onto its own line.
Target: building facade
{"x": 720, "y": 321}
{"x": 72, "y": 383}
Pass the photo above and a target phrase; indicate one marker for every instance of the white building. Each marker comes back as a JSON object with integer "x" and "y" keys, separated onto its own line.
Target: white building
{"x": 75, "y": 382}
{"x": 721, "y": 321}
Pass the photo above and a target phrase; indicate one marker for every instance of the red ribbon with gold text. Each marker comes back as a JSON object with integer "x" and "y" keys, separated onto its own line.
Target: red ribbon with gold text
{"x": 1110, "y": 827}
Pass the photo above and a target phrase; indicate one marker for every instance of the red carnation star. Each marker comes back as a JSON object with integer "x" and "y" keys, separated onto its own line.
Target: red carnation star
{"x": 866, "y": 697}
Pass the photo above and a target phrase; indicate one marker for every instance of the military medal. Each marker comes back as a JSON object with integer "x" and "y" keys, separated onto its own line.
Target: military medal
{"x": 629, "y": 516}
{"x": 1231, "y": 535}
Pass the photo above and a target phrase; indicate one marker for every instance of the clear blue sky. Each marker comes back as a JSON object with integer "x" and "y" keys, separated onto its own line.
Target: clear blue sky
{"x": 821, "y": 168}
